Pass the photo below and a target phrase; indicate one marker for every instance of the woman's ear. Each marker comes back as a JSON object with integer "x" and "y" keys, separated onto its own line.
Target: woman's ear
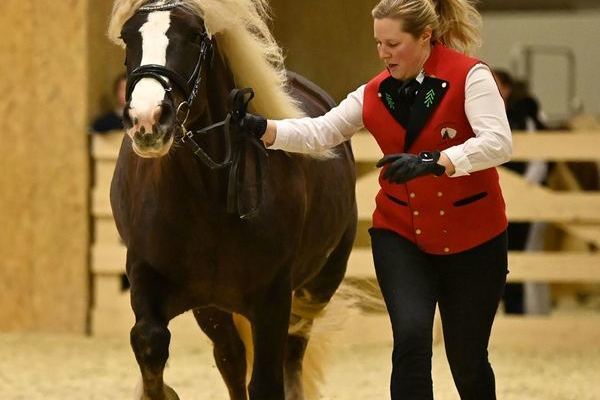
{"x": 427, "y": 34}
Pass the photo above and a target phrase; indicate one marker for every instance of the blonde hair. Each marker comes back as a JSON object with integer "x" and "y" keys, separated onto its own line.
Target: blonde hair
{"x": 455, "y": 23}
{"x": 246, "y": 43}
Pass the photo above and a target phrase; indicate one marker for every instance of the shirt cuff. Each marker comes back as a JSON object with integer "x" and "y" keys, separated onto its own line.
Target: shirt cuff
{"x": 281, "y": 136}
{"x": 459, "y": 159}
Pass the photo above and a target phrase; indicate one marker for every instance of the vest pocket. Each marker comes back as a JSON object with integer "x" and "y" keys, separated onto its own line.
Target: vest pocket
{"x": 395, "y": 200}
{"x": 470, "y": 199}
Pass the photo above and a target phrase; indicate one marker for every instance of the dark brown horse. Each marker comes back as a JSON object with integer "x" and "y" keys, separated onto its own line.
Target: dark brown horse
{"x": 212, "y": 223}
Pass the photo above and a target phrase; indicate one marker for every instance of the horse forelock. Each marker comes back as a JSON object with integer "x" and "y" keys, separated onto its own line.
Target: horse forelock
{"x": 245, "y": 41}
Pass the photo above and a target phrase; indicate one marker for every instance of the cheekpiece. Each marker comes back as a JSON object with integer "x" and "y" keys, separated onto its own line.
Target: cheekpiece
{"x": 161, "y": 5}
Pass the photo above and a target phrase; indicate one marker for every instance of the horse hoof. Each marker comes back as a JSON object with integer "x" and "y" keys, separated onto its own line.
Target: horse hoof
{"x": 170, "y": 393}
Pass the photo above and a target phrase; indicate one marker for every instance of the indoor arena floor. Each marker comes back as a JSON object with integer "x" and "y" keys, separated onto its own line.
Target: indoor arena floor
{"x": 55, "y": 367}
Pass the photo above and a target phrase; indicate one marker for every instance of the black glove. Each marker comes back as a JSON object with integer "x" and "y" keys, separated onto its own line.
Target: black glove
{"x": 253, "y": 125}
{"x": 403, "y": 166}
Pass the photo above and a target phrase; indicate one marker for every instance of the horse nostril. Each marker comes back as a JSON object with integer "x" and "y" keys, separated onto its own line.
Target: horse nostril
{"x": 144, "y": 138}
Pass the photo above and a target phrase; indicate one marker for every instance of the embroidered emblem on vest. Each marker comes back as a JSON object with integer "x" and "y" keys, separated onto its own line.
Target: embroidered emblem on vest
{"x": 429, "y": 98}
{"x": 448, "y": 133}
{"x": 390, "y": 101}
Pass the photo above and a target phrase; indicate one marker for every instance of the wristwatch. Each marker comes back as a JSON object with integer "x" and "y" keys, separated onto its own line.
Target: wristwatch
{"x": 432, "y": 158}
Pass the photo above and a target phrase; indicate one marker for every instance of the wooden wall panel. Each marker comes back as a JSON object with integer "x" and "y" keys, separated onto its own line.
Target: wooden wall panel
{"x": 105, "y": 59}
{"x": 330, "y": 42}
{"x": 43, "y": 165}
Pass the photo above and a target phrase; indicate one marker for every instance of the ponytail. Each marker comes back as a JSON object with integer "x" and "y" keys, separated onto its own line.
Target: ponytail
{"x": 459, "y": 24}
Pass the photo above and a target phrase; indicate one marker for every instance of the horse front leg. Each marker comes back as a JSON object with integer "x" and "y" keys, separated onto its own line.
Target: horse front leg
{"x": 270, "y": 319}
{"x": 150, "y": 336}
{"x": 150, "y": 342}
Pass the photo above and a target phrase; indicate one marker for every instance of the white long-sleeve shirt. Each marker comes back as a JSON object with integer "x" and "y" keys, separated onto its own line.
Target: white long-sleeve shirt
{"x": 484, "y": 108}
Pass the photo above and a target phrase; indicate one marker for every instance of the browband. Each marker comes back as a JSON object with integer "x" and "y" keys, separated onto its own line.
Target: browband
{"x": 161, "y": 5}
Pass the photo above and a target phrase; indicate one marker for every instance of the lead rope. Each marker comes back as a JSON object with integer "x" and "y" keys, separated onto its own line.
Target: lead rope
{"x": 234, "y": 152}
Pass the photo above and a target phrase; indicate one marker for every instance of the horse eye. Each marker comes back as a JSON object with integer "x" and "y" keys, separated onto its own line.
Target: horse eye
{"x": 196, "y": 37}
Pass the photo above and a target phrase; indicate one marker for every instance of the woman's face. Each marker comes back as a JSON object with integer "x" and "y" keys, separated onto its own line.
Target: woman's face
{"x": 402, "y": 53}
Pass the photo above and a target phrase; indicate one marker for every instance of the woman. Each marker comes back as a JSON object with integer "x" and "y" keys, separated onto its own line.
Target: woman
{"x": 439, "y": 228}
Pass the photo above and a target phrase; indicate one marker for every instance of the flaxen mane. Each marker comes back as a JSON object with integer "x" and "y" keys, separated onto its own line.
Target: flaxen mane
{"x": 244, "y": 40}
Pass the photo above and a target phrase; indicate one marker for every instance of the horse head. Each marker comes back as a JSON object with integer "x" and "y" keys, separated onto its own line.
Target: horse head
{"x": 167, "y": 54}
{"x": 169, "y": 48}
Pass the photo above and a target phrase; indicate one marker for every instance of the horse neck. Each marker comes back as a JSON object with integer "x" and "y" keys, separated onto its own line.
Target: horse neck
{"x": 211, "y": 107}
{"x": 219, "y": 82}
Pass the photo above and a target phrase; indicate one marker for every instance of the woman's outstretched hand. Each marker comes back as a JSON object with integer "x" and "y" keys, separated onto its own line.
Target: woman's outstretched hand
{"x": 250, "y": 124}
{"x": 254, "y": 125}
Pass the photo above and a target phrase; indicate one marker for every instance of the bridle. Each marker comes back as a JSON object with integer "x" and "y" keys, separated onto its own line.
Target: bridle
{"x": 167, "y": 77}
{"x": 238, "y": 101}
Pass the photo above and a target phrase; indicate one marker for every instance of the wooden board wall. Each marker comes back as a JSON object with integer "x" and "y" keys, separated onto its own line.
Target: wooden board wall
{"x": 44, "y": 278}
{"x": 105, "y": 59}
{"x": 330, "y": 42}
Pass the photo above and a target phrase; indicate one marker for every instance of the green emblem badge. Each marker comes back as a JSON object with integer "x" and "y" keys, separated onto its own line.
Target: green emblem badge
{"x": 429, "y": 98}
{"x": 390, "y": 101}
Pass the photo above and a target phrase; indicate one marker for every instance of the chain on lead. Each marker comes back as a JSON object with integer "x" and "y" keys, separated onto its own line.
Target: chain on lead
{"x": 184, "y": 132}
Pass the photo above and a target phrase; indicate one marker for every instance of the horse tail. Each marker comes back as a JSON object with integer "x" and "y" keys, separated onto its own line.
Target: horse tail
{"x": 304, "y": 313}
{"x": 318, "y": 306}
{"x": 321, "y": 324}
{"x": 324, "y": 323}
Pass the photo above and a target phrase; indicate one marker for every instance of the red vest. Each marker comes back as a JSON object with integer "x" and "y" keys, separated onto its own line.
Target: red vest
{"x": 441, "y": 215}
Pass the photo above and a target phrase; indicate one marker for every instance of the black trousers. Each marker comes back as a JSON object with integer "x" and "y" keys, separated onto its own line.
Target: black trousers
{"x": 467, "y": 286}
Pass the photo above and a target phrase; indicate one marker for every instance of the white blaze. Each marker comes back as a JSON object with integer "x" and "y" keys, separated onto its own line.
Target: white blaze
{"x": 148, "y": 93}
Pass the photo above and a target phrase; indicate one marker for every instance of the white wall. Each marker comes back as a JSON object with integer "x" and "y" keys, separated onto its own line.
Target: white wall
{"x": 503, "y": 33}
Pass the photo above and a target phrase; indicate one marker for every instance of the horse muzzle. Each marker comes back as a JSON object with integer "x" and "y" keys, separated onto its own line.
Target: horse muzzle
{"x": 150, "y": 146}
{"x": 156, "y": 143}
{"x": 152, "y": 132}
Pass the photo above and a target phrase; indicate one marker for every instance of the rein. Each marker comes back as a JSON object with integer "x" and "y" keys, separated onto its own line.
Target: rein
{"x": 235, "y": 141}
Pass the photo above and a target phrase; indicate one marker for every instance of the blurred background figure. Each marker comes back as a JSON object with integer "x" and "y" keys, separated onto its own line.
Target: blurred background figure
{"x": 113, "y": 120}
{"x": 523, "y": 112}
{"x": 522, "y": 108}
